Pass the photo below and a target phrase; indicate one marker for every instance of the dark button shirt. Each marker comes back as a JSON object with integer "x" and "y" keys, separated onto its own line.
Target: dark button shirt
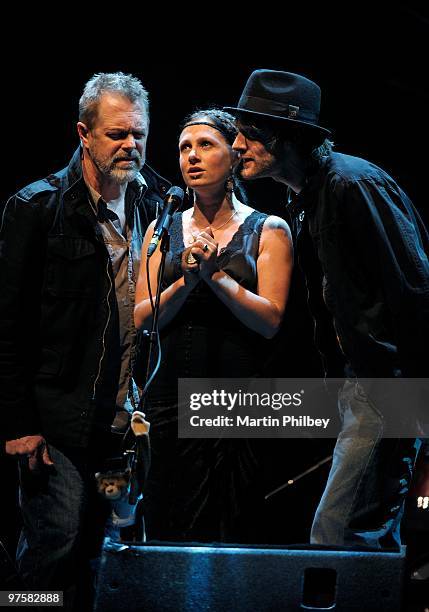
{"x": 117, "y": 237}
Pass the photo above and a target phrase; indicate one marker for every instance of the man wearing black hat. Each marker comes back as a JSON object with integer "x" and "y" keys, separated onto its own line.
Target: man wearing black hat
{"x": 363, "y": 245}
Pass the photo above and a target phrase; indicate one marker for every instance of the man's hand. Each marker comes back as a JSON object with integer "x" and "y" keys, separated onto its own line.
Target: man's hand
{"x": 33, "y": 447}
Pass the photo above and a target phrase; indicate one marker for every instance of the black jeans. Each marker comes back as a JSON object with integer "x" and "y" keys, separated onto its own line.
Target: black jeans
{"x": 63, "y": 528}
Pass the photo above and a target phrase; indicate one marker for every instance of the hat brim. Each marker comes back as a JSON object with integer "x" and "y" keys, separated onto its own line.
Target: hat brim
{"x": 235, "y": 110}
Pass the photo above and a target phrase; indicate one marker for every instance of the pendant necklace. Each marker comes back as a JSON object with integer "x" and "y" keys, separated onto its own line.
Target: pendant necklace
{"x": 215, "y": 229}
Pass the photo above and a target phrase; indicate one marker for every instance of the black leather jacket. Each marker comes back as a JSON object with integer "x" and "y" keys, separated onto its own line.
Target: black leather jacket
{"x": 58, "y": 310}
{"x": 372, "y": 248}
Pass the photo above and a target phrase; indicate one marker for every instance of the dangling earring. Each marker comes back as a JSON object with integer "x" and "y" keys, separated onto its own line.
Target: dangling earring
{"x": 190, "y": 195}
{"x": 229, "y": 184}
{"x": 229, "y": 187}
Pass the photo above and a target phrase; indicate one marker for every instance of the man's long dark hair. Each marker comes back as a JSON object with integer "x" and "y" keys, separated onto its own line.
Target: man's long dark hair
{"x": 310, "y": 143}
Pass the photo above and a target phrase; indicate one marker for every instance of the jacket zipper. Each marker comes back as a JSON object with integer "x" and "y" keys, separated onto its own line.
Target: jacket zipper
{"x": 103, "y": 352}
{"x": 321, "y": 355}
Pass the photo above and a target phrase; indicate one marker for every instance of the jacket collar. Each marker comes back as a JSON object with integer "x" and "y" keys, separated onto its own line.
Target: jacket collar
{"x": 306, "y": 200}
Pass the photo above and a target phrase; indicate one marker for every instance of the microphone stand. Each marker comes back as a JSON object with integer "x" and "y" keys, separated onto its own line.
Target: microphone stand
{"x": 164, "y": 247}
{"x": 140, "y": 453}
{"x": 292, "y": 481}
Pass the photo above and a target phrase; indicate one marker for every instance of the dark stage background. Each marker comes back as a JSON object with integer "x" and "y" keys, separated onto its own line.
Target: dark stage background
{"x": 372, "y": 69}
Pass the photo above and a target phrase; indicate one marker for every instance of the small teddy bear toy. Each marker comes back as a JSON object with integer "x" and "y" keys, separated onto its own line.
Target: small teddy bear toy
{"x": 113, "y": 485}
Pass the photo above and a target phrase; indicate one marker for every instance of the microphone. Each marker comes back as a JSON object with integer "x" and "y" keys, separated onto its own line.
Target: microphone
{"x": 172, "y": 201}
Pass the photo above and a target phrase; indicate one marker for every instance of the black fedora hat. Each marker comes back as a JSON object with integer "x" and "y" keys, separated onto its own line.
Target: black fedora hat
{"x": 283, "y": 96}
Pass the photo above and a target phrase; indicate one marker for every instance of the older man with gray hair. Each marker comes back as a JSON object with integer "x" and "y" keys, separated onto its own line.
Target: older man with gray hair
{"x": 71, "y": 246}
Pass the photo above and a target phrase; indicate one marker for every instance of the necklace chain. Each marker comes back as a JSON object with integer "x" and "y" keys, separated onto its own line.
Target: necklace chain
{"x": 223, "y": 224}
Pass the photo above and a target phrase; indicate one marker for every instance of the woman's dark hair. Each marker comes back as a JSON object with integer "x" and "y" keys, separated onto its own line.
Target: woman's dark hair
{"x": 221, "y": 120}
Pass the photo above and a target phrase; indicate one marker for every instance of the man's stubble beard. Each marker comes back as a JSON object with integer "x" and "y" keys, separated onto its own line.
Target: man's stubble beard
{"x": 121, "y": 177}
{"x": 263, "y": 171}
{"x": 275, "y": 166}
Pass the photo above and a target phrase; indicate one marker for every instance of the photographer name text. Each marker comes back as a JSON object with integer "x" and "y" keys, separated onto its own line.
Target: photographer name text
{"x": 266, "y": 421}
